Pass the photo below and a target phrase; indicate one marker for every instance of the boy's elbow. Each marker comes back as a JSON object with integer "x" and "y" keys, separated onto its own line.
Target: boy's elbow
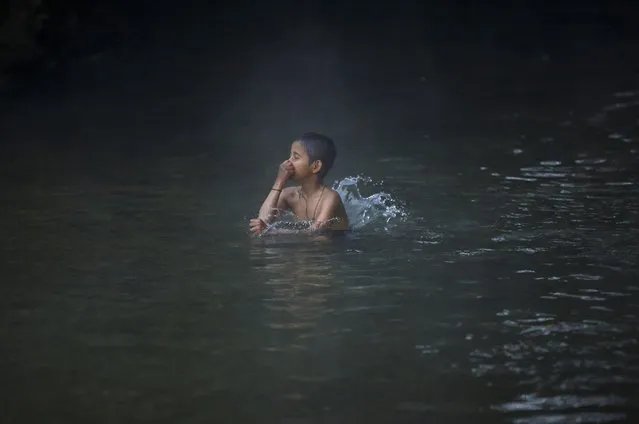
{"x": 269, "y": 215}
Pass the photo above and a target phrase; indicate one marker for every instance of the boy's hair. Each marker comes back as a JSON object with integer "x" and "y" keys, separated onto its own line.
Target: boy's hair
{"x": 319, "y": 147}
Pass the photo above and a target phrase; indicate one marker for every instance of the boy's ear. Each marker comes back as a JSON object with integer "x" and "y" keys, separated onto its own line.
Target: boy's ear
{"x": 316, "y": 166}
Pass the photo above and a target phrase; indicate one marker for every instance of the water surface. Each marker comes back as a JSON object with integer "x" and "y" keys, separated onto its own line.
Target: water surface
{"x": 506, "y": 291}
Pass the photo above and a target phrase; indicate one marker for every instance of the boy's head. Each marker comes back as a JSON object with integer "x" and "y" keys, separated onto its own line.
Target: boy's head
{"x": 319, "y": 152}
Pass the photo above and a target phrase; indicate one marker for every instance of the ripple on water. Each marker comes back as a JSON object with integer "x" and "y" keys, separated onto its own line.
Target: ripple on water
{"x": 578, "y": 418}
{"x": 533, "y": 402}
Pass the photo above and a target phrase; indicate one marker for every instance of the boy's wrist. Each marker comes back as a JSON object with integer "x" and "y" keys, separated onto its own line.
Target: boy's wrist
{"x": 278, "y": 184}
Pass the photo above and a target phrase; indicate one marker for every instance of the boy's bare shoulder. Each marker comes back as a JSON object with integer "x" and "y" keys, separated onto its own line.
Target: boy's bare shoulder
{"x": 333, "y": 195}
{"x": 338, "y": 210}
{"x": 289, "y": 191}
{"x": 334, "y": 202}
{"x": 290, "y": 195}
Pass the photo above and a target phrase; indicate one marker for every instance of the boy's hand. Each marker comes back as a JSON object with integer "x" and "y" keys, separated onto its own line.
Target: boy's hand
{"x": 257, "y": 226}
{"x": 286, "y": 171}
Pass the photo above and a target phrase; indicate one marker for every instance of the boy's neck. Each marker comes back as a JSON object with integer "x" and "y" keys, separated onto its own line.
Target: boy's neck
{"x": 311, "y": 186}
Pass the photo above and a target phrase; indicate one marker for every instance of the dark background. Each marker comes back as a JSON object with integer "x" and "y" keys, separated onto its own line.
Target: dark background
{"x": 211, "y": 69}
{"x": 41, "y": 35}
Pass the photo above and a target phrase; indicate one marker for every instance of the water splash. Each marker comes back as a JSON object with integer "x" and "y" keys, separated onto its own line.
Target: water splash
{"x": 378, "y": 211}
{"x": 289, "y": 222}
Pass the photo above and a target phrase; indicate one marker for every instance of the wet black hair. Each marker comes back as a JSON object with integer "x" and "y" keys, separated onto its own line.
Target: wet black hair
{"x": 319, "y": 147}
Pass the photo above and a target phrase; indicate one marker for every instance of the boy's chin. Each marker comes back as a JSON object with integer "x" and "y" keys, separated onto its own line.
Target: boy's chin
{"x": 301, "y": 178}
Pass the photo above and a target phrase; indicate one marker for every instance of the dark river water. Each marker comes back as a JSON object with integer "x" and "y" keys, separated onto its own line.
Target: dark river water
{"x": 504, "y": 290}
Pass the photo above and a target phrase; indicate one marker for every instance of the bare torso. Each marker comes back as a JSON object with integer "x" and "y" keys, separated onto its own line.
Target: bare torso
{"x": 307, "y": 209}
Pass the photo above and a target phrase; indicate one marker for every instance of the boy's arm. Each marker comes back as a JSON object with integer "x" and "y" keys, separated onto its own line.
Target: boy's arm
{"x": 327, "y": 213}
{"x": 276, "y": 198}
{"x": 275, "y": 201}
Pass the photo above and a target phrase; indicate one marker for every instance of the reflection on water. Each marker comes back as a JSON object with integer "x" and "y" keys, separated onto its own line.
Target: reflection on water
{"x": 300, "y": 278}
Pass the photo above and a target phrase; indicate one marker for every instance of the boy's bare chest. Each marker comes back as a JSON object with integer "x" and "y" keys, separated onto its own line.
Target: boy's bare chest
{"x": 304, "y": 208}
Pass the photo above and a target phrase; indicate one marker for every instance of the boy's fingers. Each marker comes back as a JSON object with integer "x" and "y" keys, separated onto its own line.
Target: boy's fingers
{"x": 256, "y": 225}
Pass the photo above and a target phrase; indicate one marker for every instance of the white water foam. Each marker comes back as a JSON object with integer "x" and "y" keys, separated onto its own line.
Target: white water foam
{"x": 378, "y": 211}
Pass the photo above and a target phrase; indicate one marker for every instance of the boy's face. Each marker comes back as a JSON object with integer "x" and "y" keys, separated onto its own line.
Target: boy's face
{"x": 300, "y": 160}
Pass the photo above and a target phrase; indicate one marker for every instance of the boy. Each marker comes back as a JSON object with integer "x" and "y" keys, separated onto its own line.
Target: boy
{"x": 312, "y": 156}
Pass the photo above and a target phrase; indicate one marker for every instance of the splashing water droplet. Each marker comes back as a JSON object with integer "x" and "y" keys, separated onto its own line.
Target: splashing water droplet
{"x": 379, "y": 211}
